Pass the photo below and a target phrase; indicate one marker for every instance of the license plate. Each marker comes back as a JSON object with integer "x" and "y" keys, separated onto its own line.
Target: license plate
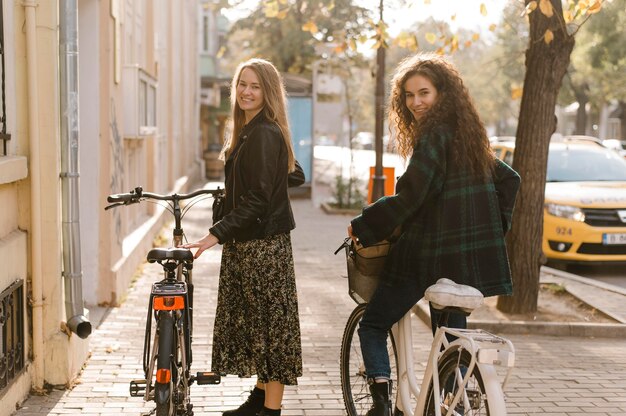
{"x": 608, "y": 239}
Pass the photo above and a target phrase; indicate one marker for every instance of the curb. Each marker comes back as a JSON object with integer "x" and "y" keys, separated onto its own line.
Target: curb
{"x": 569, "y": 329}
{"x": 585, "y": 280}
{"x": 339, "y": 211}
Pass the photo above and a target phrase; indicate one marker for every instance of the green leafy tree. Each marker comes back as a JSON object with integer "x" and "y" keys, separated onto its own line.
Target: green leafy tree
{"x": 287, "y": 32}
{"x": 596, "y": 74}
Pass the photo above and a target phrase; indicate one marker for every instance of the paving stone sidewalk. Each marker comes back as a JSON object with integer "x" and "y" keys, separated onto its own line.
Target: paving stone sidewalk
{"x": 553, "y": 375}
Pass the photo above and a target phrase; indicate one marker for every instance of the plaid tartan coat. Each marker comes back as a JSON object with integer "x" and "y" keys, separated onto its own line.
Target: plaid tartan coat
{"x": 453, "y": 224}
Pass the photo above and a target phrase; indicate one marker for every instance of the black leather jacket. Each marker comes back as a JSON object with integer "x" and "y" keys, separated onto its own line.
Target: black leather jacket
{"x": 256, "y": 204}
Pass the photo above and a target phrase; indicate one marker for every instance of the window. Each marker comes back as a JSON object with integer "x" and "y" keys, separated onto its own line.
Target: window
{"x": 11, "y": 332}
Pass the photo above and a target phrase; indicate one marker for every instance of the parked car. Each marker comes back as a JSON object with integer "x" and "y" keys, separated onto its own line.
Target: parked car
{"x": 585, "y": 200}
{"x": 363, "y": 140}
{"x": 366, "y": 141}
{"x": 615, "y": 145}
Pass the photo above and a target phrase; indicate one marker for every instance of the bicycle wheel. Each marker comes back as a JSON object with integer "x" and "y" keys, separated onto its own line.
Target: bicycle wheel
{"x": 164, "y": 386}
{"x": 356, "y": 394}
{"x": 452, "y": 364}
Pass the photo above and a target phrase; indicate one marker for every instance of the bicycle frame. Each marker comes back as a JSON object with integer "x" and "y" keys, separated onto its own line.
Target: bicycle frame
{"x": 487, "y": 350}
{"x": 170, "y": 310}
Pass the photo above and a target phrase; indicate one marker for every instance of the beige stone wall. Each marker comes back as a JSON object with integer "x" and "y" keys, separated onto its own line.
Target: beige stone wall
{"x": 156, "y": 42}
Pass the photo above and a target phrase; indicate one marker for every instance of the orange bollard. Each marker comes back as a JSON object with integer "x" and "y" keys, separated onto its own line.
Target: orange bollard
{"x": 390, "y": 182}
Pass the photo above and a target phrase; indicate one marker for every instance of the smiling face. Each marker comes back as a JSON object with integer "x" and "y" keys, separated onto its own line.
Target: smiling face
{"x": 249, "y": 93}
{"x": 420, "y": 95}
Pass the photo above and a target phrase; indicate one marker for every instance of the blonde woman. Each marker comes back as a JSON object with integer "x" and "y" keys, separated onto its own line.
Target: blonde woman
{"x": 257, "y": 328}
{"x": 453, "y": 205}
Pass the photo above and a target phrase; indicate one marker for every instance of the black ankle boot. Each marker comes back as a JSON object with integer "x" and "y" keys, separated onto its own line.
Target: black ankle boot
{"x": 250, "y": 407}
{"x": 269, "y": 412}
{"x": 380, "y": 397}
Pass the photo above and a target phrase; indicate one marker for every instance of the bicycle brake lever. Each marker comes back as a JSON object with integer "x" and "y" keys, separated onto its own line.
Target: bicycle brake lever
{"x": 343, "y": 245}
{"x": 108, "y": 207}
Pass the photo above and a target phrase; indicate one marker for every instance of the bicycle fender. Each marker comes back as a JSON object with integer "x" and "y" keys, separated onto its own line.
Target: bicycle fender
{"x": 161, "y": 393}
{"x": 493, "y": 389}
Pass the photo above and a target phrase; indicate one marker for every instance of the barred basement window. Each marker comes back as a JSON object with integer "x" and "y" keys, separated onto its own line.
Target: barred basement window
{"x": 4, "y": 137}
{"x": 11, "y": 332}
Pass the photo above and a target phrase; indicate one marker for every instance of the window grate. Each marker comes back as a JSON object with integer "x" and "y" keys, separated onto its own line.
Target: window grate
{"x": 11, "y": 332}
{"x": 4, "y": 137}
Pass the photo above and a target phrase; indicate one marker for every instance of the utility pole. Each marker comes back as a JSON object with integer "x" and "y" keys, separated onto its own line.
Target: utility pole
{"x": 378, "y": 187}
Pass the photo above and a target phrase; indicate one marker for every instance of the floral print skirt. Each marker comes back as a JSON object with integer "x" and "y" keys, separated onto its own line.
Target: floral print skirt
{"x": 257, "y": 328}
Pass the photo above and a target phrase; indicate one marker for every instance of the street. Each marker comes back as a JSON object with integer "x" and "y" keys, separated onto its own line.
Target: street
{"x": 607, "y": 273}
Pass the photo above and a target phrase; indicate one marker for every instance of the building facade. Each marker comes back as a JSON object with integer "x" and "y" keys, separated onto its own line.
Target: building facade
{"x": 98, "y": 97}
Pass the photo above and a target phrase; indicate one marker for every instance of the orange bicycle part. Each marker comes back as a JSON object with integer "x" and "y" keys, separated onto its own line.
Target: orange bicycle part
{"x": 168, "y": 303}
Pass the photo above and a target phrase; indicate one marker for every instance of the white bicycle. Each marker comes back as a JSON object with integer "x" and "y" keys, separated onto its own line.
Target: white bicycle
{"x": 460, "y": 377}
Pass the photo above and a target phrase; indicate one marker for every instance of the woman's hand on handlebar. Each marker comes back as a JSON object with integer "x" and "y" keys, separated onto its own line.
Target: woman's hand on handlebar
{"x": 204, "y": 243}
{"x": 351, "y": 235}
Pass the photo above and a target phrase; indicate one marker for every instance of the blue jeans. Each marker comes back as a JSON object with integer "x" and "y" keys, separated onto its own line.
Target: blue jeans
{"x": 386, "y": 307}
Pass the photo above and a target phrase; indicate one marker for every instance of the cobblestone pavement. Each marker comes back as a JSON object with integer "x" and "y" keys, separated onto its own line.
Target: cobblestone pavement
{"x": 553, "y": 375}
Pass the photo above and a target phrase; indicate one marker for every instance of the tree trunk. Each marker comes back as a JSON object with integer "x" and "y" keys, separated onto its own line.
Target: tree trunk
{"x": 581, "y": 114}
{"x": 546, "y": 65}
{"x": 622, "y": 117}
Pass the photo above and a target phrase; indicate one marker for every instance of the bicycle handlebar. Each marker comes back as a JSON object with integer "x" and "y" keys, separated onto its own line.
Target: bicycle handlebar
{"x": 138, "y": 194}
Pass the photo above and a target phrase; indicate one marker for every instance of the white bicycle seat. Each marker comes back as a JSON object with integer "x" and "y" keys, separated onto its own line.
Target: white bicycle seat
{"x": 446, "y": 293}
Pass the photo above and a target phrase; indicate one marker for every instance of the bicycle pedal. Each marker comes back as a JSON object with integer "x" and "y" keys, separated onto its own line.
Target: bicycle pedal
{"x": 137, "y": 388}
{"x": 207, "y": 377}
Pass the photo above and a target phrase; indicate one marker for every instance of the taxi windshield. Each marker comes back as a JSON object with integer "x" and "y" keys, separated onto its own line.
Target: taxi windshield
{"x": 584, "y": 163}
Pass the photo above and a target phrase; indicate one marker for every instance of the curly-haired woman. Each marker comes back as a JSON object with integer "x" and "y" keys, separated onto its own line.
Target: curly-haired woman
{"x": 453, "y": 205}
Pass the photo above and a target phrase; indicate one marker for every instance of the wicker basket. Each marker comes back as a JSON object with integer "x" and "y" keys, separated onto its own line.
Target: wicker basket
{"x": 360, "y": 287}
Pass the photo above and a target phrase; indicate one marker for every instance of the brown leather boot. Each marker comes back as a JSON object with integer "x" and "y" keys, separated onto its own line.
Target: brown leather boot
{"x": 380, "y": 397}
{"x": 250, "y": 407}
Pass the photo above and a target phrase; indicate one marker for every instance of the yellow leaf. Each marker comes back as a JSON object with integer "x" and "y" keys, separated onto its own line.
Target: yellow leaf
{"x": 546, "y": 8}
{"x": 221, "y": 52}
{"x": 548, "y": 36}
{"x": 516, "y": 92}
{"x": 310, "y": 27}
{"x": 595, "y": 7}
{"x": 271, "y": 9}
{"x": 406, "y": 40}
{"x": 431, "y": 38}
{"x": 426, "y": 1}
{"x": 483, "y": 9}
{"x": 492, "y": 27}
{"x": 468, "y": 43}
{"x": 352, "y": 44}
{"x": 453, "y": 17}
{"x": 341, "y": 47}
{"x": 282, "y": 14}
{"x": 283, "y": 2}
{"x": 530, "y": 7}
{"x": 475, "y": 37}
{"x": 454, "y": 44}
{"x": 568, "y": 16}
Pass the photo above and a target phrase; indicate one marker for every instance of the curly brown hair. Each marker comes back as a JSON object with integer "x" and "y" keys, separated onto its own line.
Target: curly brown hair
{"x": 453, "y": 108}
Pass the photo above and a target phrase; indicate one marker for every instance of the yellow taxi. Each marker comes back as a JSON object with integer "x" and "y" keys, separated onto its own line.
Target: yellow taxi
{"x": 585, "y": 200}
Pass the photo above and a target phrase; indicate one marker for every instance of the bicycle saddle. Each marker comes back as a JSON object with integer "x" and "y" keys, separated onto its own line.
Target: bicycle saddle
{"x": 178, "y": 254}
{"x": 448, "y": 294}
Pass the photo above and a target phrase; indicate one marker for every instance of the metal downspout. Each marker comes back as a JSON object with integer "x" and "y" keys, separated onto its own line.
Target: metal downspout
{"x": 72, "y": 268}
{"x": 35, "y": 192}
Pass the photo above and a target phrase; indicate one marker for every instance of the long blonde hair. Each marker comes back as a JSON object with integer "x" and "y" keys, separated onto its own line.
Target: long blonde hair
{"x": 274, "y": 105}
{"x": 453, "y": 107}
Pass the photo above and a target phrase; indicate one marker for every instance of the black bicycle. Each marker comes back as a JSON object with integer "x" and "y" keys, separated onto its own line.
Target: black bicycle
{"x": 167, "y": 357}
